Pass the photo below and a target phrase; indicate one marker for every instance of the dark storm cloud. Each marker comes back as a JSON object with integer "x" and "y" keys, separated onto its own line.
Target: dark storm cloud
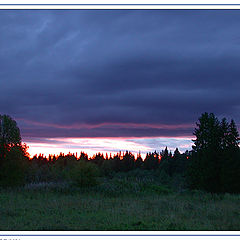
{"x": 111, "y": 73}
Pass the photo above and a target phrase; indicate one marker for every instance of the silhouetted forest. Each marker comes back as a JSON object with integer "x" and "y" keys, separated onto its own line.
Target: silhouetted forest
{"x": 212, "y": 165}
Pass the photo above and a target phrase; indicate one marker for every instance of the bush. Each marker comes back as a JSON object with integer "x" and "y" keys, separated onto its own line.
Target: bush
{"x": 107, "y": 168}
{"x": 13, "y": 168}
{"x": 83, "y": 174}
{"x": 159, "y": 189}
{"x": 42, "y": 173}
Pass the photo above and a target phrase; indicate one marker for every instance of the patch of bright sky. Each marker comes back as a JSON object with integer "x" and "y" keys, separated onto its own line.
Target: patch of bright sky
{"x": 92, "y": 146}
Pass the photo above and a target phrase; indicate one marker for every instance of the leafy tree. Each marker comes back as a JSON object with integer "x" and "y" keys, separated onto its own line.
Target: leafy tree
{"x": 9, "y": 134}
{"x": 14, "y": 168}
{"x": 83, "y": 174}
{"x": 13, "y": 154}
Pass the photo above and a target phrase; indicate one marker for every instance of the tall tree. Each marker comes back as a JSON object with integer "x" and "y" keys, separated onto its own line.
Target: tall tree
{"x": 9, "y": 134}
{"x": 230, "y": 171}
{"x": 13, "y": 154}
{"x": 215, "y": 155}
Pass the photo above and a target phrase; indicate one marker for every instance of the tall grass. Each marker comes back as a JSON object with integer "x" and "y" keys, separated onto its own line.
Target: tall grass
{"x": 50, "y": 209}
{"x": 123, "y": 202}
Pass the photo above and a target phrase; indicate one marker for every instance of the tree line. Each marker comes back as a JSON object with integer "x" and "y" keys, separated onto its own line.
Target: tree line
{"x": 212, "y": 165}
{"x": 122, "y": 161}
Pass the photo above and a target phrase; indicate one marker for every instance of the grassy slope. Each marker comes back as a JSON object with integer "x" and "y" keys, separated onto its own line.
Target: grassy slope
{"x": 92, "y": 210}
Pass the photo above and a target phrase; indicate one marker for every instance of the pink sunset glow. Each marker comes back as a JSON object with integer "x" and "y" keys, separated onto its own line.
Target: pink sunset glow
{"x": 108, "y": 124}
{"x": 92, "y": 146}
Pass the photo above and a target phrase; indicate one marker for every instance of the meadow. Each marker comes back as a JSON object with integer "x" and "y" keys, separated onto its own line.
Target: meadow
{"x": 120, "y": 203}
{"x": 195, "y": 190}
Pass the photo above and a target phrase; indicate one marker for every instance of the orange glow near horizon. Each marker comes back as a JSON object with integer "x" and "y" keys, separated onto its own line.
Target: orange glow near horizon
{"x": 88, "y": 145}
{"x": 92, "y": 146}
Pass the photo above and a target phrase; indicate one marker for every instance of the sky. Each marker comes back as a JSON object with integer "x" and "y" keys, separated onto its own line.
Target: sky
{"x": 110, "y": 80}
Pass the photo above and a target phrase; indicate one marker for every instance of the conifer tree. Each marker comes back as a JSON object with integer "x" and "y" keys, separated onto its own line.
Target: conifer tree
{"x": 215, "y": 164}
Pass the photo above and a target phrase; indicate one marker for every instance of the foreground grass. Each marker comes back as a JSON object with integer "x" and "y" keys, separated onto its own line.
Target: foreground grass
{"x": 48, "y": 209}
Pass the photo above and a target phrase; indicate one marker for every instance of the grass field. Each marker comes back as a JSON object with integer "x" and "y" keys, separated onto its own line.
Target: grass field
{"x": 51, "y": 207}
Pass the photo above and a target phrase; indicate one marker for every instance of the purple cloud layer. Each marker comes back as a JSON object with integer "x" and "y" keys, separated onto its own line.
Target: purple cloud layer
{"x": 118, "y": 73}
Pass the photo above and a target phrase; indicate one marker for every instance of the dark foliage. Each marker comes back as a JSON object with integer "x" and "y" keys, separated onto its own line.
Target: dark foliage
{"x": 13, "y": 154}
{"x": 215, "y": 165}
{"x": 13, "y": 168}
{"x": 151, "y": 161}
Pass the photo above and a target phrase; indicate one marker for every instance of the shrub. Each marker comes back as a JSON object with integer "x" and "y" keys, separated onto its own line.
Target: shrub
{"x": 158, "y": 189}
{"x": 107, "y": 168}
{"x": 42, "y": 173}
{"x": 83, "y": 174}
{"x": 13, "y": 168}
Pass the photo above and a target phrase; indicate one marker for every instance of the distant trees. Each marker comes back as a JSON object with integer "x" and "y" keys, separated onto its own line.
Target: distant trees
{"x": 128, "y": 162}
{"x": 166, "y": 162}
{"x": 98, "y": 159}
{"x": 139, "y": 161}
{"x": 215, "y": 165}
{"x": 56, "y": 168}
{"x": 151, "y": 161}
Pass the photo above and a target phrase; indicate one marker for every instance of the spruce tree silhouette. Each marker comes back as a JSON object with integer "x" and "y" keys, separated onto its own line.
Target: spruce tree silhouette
{"x": 151, "y": 161}
{"x": 215, "y": 165}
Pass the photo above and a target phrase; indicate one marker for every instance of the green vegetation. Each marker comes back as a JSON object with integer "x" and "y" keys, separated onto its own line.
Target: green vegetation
{"x": 13, "y": 168}
{"x": 116, "y": 204}
{"x": 195, "y": 190}
{"x": 82, "y": 174}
